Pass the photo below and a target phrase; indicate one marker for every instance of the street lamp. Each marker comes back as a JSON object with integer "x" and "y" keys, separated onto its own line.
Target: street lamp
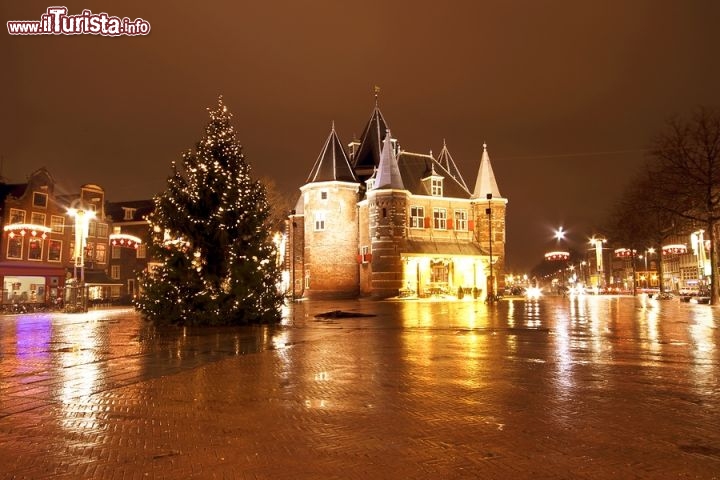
{"x": 491, "y": 288}
{"x": 82, "y": 224}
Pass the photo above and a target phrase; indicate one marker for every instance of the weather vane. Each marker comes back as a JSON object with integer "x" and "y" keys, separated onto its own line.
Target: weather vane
{"x": 376, "y": 89}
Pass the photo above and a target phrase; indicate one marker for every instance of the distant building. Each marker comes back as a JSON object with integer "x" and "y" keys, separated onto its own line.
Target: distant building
{"x": 381, "y": 221}
{"x": 128, "y": 245}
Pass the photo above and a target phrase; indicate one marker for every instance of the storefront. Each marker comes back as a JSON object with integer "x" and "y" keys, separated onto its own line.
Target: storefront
{"x": 28, "y": 284}
{"x": 441, "y": 268}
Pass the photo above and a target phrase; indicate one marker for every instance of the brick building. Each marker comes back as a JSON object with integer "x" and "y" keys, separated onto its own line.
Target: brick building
{"x": 381, "y": 221}
{"x": 128, "y": 246}
{"x": 39, "y": 248}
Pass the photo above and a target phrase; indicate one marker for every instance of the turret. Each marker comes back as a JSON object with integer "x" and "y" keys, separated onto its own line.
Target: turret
{"x": 387, "y": 210}
{"x": 489, "y": 209}
{"x": 329, "y": 200}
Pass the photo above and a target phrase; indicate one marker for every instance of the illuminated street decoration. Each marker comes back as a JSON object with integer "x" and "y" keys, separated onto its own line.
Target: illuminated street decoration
{"x": 554, "y": 256}
{"x": 674, "y": 249}
{"x": 625, "y": 253}
{"x": 124, "y": 240}
{"x": 25, "y": 228}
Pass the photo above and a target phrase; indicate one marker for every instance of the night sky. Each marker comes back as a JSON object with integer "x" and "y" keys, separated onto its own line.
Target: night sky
{"x": 567, "y": 94}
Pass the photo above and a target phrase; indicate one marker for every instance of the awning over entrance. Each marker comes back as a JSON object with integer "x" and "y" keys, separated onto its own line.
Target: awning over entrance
{"x": 99, "y": 278}
{"x": 432, "y": 247}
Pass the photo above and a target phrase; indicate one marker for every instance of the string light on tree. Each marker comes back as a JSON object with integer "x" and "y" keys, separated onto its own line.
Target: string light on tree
{"x": 209, "y": 233}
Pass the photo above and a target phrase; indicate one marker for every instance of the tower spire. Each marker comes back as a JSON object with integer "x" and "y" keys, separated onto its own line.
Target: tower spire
{"x": 485, "y": 182}
{"x": 388, "y": 172}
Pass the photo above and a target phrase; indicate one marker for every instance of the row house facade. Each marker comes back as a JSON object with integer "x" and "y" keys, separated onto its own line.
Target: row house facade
{"x": 51, "y": 239}
{"x": 380, "y": 221}
{"x": 128, "y": 246}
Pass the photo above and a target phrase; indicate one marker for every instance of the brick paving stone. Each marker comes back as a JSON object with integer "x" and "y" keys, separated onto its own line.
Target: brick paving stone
{"x": 556, "y": 390}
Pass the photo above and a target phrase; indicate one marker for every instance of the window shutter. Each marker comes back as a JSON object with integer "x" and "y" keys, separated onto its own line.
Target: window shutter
{"x": 449, "y": 223}
{"x": 471, "y": 225}
{"x": 427, "y": 222}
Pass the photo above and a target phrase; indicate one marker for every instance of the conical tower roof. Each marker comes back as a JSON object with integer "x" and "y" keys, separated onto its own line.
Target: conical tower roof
{"x": 388, "y": 173}
{"x": 368, "y": 154}
{"x": 485, "y": 182}
{"x": 332, "y": 164}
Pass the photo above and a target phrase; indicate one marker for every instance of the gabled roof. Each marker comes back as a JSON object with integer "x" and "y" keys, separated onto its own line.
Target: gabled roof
{"x": 368, "y": 155}
{"x": 447, "y": 162}
{"x": 485, "y": 182}
{"x": 414, "y": 167}
{"x": 388, "y": 173}
{"x": 332, "y": 164}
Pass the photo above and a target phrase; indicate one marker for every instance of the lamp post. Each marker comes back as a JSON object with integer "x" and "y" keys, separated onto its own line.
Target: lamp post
{"x": 648, "y": 252}
{"x": 597, "y": 243}
{"x": 82, "y": 223}
{"x": 698, "y": 243}
{"x": 491, "y": 287}
{"x": 559, "y": 236}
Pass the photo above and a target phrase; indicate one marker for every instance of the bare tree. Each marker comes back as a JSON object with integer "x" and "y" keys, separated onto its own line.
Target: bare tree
{"x": 686, "y": 176}
{"x": 280, "y": 204}
{"x": 640, "y": 219}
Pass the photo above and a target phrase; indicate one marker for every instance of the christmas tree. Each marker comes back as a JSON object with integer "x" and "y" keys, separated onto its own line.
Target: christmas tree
{"x": 211, "y": 236}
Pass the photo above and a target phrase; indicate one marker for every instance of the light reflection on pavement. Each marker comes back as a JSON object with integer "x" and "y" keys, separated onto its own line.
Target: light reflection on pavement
{"x": 598, "y": 386}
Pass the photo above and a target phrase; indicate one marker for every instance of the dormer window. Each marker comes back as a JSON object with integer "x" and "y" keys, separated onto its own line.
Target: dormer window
{"x": 436, "y": 186}
{"x": 433, "y": 182}
{"x": 128, "y": 213}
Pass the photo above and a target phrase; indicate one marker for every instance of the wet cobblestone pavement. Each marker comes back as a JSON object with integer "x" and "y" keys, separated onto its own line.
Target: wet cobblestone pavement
{"x": 589, "y": 388}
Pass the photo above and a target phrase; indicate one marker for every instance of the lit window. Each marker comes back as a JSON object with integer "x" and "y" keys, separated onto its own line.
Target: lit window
{"x": 439, "y": 218}
{"x": 115, "y": 251}
{"x": 319, "y": 221}
{"x": 35, "y": 249}
{"x": 54, "y": 250}
{"x": 57, "y": 223}
{"x": 92, "y": 228}
{"x": 417, "y": 217}
{"x": 461, "y": 220}
{"x": 100, "y": 252}
{"x": 115, "y": 272}
{"x": 14, "y": 247}
{"x": 365, "y": 254}
{"x": 37, "y": 218}
{"x": 102, "y": 229}
{"x": 90, "y": 251}
{"x": 141, "y": 251}
{"x": 128, "y": 213}
{"x": 17, "y": 216}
